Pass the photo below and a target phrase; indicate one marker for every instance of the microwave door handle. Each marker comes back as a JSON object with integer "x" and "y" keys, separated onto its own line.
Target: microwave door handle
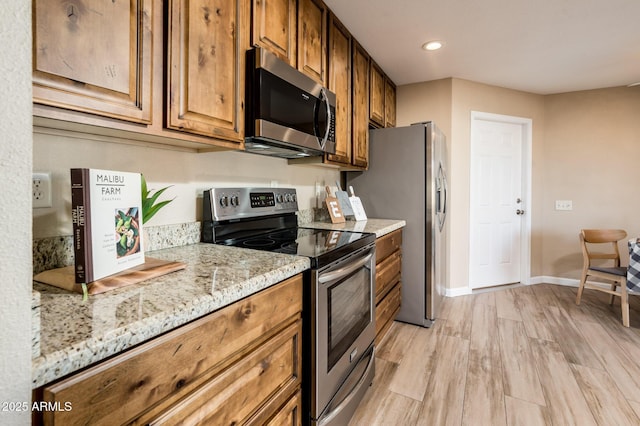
{"x": 339, "y": 273}
{"x": 325, "y": 99}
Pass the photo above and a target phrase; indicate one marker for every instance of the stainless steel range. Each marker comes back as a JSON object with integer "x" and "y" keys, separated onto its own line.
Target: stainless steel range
{"x": 338, "y": 317}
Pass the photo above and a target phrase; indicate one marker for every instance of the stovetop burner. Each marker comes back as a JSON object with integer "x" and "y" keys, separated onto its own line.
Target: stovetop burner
{"x": 320, "y": 245}
{"x": 258, "y": 243}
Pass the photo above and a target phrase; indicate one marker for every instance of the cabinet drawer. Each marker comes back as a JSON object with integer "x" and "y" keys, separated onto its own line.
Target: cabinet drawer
{"x": 272, "y": 372}
{"x": 387, "y": 274}
{"x": 289, "y": 415}
{"x": 166, "y": 368}
{"x": 387, "y": 244}
{"x": 386, "y": 311}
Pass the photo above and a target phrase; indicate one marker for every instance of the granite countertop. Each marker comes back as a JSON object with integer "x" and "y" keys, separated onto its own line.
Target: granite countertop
{"x": 70, "y": 334}
{"x": 379, "y": 227}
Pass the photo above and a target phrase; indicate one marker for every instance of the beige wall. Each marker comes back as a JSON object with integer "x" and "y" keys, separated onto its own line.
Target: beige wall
{"x": 189, "y": 173}
{"x": 598, "y": 127}
{"x": 591, "y": 153}
{"x": 429, "y": 101}
{"x": 469, "y": 96}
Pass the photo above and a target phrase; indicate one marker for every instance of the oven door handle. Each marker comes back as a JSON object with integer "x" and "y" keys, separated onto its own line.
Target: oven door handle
{"x": 333, "y": 413}
{"x": 339, "y": 273}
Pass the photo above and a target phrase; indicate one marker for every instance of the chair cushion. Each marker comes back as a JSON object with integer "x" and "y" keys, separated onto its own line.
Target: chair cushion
{"x": 620, "y": 270}
{"x": 633, "y": 274}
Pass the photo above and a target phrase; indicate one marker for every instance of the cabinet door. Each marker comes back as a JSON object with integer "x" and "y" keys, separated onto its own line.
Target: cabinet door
{"x": 94, "y": 56}
{"x": 312, "y": 39}
{"x": 206, "y": 56}
{"x": 360, "y": 135}
{"x": 389, "y": 103}
{"x": 376, "y": 97}
{"x": 340, "y": 84}
{"x": 274, "y": 28}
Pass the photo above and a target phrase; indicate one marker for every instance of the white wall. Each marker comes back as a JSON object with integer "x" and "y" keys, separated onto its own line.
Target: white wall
{"x": 15, "y": 208}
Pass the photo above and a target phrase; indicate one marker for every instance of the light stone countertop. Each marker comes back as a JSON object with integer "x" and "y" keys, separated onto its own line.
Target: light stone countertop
{"x": 70, "y": 334}
{"x": 379, "y": 227}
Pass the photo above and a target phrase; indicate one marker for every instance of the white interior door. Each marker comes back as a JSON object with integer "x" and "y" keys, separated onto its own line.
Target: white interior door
{"x": 498, "y": 194}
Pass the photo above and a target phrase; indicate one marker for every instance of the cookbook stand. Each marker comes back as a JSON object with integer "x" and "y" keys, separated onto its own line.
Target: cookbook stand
{"x": 65, "y": 278}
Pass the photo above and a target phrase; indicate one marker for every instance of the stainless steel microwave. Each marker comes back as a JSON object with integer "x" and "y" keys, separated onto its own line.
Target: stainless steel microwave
{"x": 288, "y": 114}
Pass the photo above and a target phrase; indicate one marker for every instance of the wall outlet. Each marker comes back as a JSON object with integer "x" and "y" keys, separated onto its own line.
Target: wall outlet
{"x": 41, "y": 193}
{"x": 564, "y": 205}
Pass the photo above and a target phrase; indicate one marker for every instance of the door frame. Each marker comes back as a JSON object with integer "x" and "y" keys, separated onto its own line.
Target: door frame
{"x": 526, "y": 125}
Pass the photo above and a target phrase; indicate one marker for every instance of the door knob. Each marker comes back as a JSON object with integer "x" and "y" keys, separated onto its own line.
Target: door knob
{"x": 519, "y": 212}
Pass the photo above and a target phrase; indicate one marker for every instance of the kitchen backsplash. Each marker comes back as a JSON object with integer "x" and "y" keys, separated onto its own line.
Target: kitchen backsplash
{"x": 57, "y": 252}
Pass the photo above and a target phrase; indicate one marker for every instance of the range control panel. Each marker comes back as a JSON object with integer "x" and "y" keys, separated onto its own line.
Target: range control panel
{"x": 262, "y": 199}
{"x": 234, "y": 203}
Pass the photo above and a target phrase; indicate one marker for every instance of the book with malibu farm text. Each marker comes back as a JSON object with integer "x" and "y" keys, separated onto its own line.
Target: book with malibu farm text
{"x": 106, "y": 209}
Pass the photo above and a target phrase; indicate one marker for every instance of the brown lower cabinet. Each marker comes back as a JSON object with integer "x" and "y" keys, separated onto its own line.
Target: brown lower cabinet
{"x": 238, "y": 365}
{"x": 388, "y": 281}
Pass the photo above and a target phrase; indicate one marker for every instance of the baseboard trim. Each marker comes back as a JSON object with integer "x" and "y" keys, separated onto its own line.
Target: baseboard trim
{"x": 460, "y": 291}
{"x": 542, "y": 279}
{"x": 546, "y": 279}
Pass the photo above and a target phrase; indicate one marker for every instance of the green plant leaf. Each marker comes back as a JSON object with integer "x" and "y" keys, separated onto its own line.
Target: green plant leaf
{"x": 154, "y": 209}
{"x": 149, "y": 206}
{"x": 145, "y": 193}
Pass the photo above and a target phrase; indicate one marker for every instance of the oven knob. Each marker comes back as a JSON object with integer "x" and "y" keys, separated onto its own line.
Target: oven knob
{"x": 293, "y": 197}
{"x": 279, "y": 198}
{"x": 234, "y": 200}
{"x": 287, "y": 198}
{"x": 224, "y": 201}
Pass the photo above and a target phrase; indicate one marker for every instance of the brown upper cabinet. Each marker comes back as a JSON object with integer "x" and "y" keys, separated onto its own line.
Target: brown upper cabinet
{"x": 382, "y": 98}
{"x": 97, "y": 64}
{"x": 274, "y": 28}
{"x": 340, "y": 84}
{"x": 206, "y": 57}
{"x": 173, "y": 72}
{"x": 389, "y": 103}
{"x": 377, "y": 95}
{"x": 360, "y": 135}
{"x": 295, "y": 31}
{"x": 94, "y": 56}
{"x": 312, "y": 39}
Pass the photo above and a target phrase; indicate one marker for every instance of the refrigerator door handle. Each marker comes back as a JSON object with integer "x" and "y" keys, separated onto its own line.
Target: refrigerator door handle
{"x": 441, "y": 204}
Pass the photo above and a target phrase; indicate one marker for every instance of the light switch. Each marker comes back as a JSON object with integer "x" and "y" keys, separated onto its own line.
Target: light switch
{"x": 564, "y": 205}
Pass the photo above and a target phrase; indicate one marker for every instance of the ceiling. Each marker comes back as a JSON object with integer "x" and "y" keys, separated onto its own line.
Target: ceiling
{"x": 543, "y": 46}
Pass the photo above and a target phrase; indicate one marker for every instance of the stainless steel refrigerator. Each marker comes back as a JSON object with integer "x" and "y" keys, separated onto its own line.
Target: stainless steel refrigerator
{"x": 407, "y": 180}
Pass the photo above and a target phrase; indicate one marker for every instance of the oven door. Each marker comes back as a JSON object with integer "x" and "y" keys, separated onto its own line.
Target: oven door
{"x": 345, "y": 331}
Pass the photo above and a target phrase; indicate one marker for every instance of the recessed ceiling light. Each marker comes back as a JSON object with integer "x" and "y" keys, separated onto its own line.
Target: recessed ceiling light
{"x": 432, "y": 45}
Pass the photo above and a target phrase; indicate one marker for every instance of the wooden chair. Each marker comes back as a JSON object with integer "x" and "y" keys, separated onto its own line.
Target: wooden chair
{"x": 615, "y": 275}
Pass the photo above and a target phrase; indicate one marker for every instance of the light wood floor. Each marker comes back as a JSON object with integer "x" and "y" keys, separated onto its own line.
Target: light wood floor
{"x": 519, "y": 356}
